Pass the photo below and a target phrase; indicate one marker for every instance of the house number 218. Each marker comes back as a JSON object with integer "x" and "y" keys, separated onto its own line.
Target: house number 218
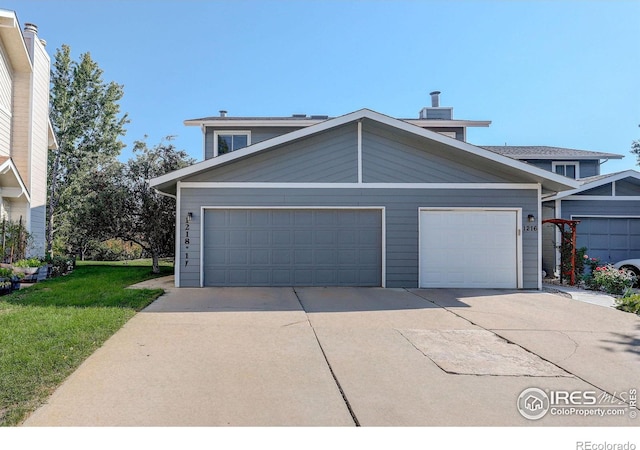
{"x": 186, "y": 243}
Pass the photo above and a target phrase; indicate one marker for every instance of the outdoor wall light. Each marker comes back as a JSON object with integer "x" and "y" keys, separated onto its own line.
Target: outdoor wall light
{"x": 530, "y": 218}
{"x": 189, "y": 217}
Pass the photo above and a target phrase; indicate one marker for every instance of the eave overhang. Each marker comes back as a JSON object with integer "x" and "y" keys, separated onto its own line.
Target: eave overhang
{"x": 13, "y": 40}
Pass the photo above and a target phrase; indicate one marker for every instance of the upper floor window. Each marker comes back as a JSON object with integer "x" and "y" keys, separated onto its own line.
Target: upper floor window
{"x": 230, "y": 141}
{"x": 568, "y": 169}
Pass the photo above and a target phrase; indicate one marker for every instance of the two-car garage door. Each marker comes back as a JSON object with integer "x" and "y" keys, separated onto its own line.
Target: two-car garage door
{"x": 610, "y": 239}
{"x": 292, "y": 247}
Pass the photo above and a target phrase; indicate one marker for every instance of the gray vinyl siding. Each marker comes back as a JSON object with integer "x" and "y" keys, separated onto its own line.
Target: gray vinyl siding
{"x": 258, "y": 134}
{"x": 628, "y": 187}
{"x": 544, "y": 164}
{"x": 401, "y": 220}
{"x": 459, "y": 131}
{"x": 325, "y": 157}
{"x": 600, "y": 190}
{"x": 389, "y": 156}
{"x": 589, "y": 168}
{"x": 600, "y": 208}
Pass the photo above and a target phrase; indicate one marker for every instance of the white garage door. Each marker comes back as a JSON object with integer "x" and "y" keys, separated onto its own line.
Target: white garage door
{"x": 469, "y": 248}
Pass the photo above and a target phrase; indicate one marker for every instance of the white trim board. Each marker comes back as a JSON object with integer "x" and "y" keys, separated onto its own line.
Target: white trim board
{"x": 383, "y": 240}
{"x": 608, "y": 198}
{"x": 593, "y": 216}
{"x": 280, "y": 185}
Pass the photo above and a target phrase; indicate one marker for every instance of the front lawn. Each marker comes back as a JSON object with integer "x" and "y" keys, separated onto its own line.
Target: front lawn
{"x": 48, "y": 329}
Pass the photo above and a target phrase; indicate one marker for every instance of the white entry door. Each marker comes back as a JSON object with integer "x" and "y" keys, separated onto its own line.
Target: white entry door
{"x": 469, "y": 249}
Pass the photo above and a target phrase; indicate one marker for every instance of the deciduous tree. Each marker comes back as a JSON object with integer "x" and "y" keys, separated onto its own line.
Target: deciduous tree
{"x": 145, "y": 216}
{"x": 86, "y": 118}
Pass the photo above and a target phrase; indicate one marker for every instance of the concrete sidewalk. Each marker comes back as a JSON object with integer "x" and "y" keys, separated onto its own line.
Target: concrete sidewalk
{"x": 583, "y": 295}
{"x": 348, "y": 356}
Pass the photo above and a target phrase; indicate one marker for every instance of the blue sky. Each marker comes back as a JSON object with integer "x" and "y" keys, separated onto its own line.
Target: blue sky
{"x": 558, "y": 73}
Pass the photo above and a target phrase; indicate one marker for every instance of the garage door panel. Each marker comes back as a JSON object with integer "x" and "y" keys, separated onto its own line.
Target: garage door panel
{"x": 303, "y": 218}
{"x": 238, "y": 256}
{"x": 326, "y": 257}
{"x": 237, "y": 237}
{"x": 609, "y": 239}
{"x": 468, "y": 249}
{"x": 292, "y": 247}
{"x": 619, "y": 227}
{"x": 325, "y": 237}
{"x": 237, "y": 218}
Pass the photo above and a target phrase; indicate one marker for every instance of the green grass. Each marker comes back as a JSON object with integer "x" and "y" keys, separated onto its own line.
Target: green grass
{"x": 48, "y": 329}
{"x": 146, "y": 262}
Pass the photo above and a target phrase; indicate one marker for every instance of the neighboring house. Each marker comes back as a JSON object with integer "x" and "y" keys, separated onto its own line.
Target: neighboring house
{"x": 26, "y": 134}
{"x": 607, "y": 206}
{"x": 357, "y": 200}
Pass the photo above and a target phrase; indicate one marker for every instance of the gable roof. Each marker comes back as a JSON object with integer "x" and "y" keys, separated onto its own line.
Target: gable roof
{"x": 10, "y": 179}
{"x": 545, "y": 152}
{"x": 597, "y": 181}
{"x": 551, "y": 181}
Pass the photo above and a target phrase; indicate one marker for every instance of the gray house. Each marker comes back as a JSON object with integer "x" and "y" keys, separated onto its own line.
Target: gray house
{"x": 358, "y": 200}
{"x": 607, "y": 206}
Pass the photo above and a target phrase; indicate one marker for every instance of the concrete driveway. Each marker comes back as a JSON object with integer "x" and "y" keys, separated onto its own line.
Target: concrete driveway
{"x": 352, "y": 356}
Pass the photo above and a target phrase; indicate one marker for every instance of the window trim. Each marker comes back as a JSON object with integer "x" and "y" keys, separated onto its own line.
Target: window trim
{"x": 216, "y": 133}
{"x": 576, "y": 164}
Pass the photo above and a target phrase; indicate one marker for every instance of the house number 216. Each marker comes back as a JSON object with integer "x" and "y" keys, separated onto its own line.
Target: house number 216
{"x": 531, "y": 228}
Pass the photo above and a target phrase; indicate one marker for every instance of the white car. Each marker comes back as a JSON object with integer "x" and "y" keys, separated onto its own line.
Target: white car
{"x": 630, "y": 264}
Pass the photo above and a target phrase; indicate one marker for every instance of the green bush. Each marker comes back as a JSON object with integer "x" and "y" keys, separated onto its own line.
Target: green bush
{"x": 31, "y": 262}
{"x": 61, "y": 265}
{"x": 629, "y": 304}
{"x": 5, "y": 273}
{"x": 612, "y": 280}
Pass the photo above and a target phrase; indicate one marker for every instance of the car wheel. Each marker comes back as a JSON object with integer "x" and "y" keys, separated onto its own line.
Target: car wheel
{"x": 636, "y": 272}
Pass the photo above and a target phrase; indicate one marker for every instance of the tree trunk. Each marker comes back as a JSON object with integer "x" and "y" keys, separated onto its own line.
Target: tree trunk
{"x": 155, "y": 263}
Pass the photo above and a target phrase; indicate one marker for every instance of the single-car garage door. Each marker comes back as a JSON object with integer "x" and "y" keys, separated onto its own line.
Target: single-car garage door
{"x": 469, "y": 248}
{"x": 610, "y": 239}
{"x": 292, "y": 247}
